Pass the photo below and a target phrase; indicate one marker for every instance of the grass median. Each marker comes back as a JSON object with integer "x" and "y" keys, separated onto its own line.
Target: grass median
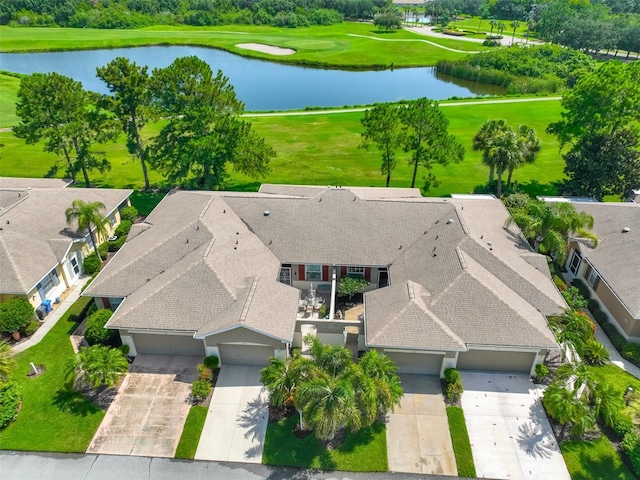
{"x": 191, "y": 432}
{"x": 460, "y": 441}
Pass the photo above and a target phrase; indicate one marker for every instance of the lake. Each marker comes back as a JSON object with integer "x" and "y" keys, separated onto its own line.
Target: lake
{"x": 260, "y": 84}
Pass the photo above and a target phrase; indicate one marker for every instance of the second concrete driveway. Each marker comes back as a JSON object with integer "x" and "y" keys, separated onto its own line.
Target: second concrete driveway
{"x": 418, "y": 439}
{"x": 237, "y": 420}
{"x": 148, "y": 414}
{"x": 509, "y": 432}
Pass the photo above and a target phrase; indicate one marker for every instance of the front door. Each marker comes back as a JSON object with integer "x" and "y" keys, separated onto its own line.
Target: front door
{"x": 73, "y": 267}
{"x": 574, "y": 265}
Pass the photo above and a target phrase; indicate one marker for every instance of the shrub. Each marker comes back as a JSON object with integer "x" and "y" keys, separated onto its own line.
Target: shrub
{"x": 593, "y": 305}
{"x": 600, "y": 317}
{"x": 451, "y": 375}
{"x": 92, "y": 264}
{"x": 117, "y": 244}
{"x": 560, "y": 283}
{"x": 517, "y": 201}
{"x": 95, "y": 333}
{"x": 542, "y": 370}
{"x": 631, "y": 445}
{"x": 631, "y": 351}
{"x": 595, "y": 353}
{"x": 349, "y": 286}
{"x": 615, "y": 337}
{"x": 454, "y": 391}
{"x": 30, "y": 328}
{"x": 582, "y": 288}
{"x": 574, "y": 298}
{"x": 211, "y": 362}
{"x": 10, "y": 396}
{"x": 491, "y": 43}
{"x": 15, "y": 314}
{"x": 124, "y": 348}
{"x": 103, "y": 249}
{"x": 129, "y": 214}
{"x": 205, "y": 372}
{"x": 323, "y": 311}
{"x": 200, "y": 390}
{"x": 123, "y": 229}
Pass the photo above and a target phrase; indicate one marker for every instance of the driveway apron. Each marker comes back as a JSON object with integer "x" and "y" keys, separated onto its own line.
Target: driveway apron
{"x": 148, "y": 414}
{"x": 236, "y": 423}
{"x": 418, "y": 439}
{"x": 509, "y": 432}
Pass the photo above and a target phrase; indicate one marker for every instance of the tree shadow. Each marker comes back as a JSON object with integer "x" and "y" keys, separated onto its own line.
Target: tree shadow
{"x": 244, "y": 186}
{"x": 68, "y": 400}
{"x": 254, "y": 419}
{"x": 533, "y": 188}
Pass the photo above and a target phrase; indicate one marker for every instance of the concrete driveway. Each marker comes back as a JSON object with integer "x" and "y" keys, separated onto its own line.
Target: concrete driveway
{"x": 148, "y": 414}
{"x": 418, "y": 439}
{"x": 237, "y": 420}
{"x": 509, "y": 432}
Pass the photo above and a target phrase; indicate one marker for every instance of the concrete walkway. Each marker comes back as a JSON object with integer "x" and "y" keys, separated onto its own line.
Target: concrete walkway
{"x": 615, "y": 356}
{"x": 418, "y": 438}
{"x": 237, "y": 420}
{"x": 53, "y": 317}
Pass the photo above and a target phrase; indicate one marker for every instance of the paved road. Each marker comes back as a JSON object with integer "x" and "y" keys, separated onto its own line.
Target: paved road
{"x": 42, "y": 466}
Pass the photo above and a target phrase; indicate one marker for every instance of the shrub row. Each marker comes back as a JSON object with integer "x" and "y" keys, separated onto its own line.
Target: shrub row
{"x": 10, "y": 397}
{"x": 582, "y": 288}
{"x": 95, "y": 333}
{"x": 454, "y": 387}
{"x": 628, "y": 350}
{"x": 201, "y": 388}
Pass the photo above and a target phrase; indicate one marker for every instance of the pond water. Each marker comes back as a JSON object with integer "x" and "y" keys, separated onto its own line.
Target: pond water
{"x": 262, "y": 85}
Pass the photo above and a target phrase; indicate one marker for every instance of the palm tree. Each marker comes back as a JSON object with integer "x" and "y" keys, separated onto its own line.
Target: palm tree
{"x": 88, "y": 217}
{"x": 99, "y": 365}
{"x": 501, "y": 26}
{"x": 530, "y": 148}
{"x": 482, "y": 141}
{"x": 383, "y": 372}
{"x": 493, "y": 23}
{"x": 572, "y": 328}
{"x": 531, "y": 24}
{"x": 515, "y": 24}
{"x": 6, "y": 361}
{"x": 551, "y": 226}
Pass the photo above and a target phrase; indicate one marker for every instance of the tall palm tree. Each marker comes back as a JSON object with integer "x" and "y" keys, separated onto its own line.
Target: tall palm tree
{"x": 88, "y": 217}
{"x": 515, "y": 24}
{"x": 6, "y": 361}
{"x": 383, "y": 372}
{"x": 482, "y": 141}
{"x": 551, "y": 226}
{"x": 100, "y": 366}
{"x": 573, "y": 329}
{"x": 529, "y": 149}
{"x": 504, "y": 152}
{"x": 501, "y": 26}
{"x": 493, "y": 22}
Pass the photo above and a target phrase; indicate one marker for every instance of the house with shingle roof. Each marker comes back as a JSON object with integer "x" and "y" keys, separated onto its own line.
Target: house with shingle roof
{"x": 612, "y": 269}
{"x": 40, "y": 255}
{"x": 228, "y": 274}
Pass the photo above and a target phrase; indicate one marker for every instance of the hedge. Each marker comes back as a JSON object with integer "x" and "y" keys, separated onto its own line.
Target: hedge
{"x": 580, "y": 285}
{"x": 129, "y": 214}
{"x": 91, "y": 264}
{"x": 593, "y": 305}
{"x": 10, "y": 397}
{"x": 123, "y": 229}
{"x": 600, "y": 317}
{"x": 95, "y": 333}
{"x": 15, "y": 314}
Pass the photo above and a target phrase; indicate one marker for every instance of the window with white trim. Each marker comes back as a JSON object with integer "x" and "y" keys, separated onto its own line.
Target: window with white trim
{"x": 313, "y": 272}
{"x": 355, "y": 272}
{"x": 285, "y": 275}
{"x": 576, "y": 261}
{"x": 47, "y": 284}
{"x": 593, "y": 277}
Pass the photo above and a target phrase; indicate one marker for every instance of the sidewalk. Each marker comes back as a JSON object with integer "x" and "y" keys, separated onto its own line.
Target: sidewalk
{"x": 53, "y": 317}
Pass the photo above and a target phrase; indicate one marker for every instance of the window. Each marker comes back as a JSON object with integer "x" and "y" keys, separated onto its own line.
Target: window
{"x": 576, "y": 260}
{"x": 75, "y": 266}
{"x": 47, "y": 284}
{"x": 355, "y": 272}
{"x": 313, "y": 272}
{"x": 593, "y": 278}
{"x": 115, "y": 303}
{"x": 285, "y": 275}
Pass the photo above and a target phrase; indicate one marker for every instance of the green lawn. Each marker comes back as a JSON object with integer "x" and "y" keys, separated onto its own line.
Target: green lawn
{"x": 191, "y": 432}
{"x": 596, "y": 460}
{"x": 460, "y": 440}
{"x": 8, "y": 96}
{"x": 53, "y": 417}
{"x": 329, "y": 45}
{"x": 364, "y": 451}
{"x": 485, "y": 27}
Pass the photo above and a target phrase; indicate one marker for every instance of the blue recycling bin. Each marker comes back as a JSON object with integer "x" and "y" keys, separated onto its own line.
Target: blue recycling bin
{"x": 47, "y": 305}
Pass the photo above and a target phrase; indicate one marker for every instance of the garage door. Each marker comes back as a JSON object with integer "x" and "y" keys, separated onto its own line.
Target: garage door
{"x": 168, "y": 344}
{"x": 425, "y": 363}
{"x": 231, "y": 354}
{"x": 520, "y": 362}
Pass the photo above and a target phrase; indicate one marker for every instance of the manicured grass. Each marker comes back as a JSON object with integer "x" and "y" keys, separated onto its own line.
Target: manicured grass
{"x": 191, "y": 432}
{"x": 145, "y": 201}
{"x": 485, "y": 27}
{"x": 596, "y": 460}
{"x": 460, "y": 440}
{"x": 8, "y": 96}
{"x": 323, "y": 150}
{"x": 615, "y": 376}
{"x": 363, "y": 451}
{"x": 329, "y": 46}
{"x": 53, "y": 418}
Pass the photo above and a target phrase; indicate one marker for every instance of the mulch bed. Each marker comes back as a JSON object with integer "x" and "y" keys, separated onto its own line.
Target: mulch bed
{"x": 39, "y": 371}
{"x": 448, "y": 401}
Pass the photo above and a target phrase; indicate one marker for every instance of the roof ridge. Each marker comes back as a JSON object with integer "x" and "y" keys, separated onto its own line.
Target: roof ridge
{"x": 220, "y": 279}
{"x": 249, "y": 299}
{"x": 444, "y": 327}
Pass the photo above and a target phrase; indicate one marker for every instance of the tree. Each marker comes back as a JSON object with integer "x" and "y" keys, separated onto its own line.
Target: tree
{"x": 501, "y": 26}
{"x": 389, "y": 18}
{"x": 550, "y": 225}
{"x": 98, "y": 366}
{"x": 493, "y": 22}
{"x": 349, "y": 286}
{"x": 529, "y": 148}
{"x": 515, "y": 24}
{"x": 56, "y": 109}
{"x": 383, "y": 372}
{"x": 382, "y": 127}
{"x": 129, "y": 84}
{"x": 482, "y": 142}
{"x": 428, "y": 139}
{"x": 203, "y": 132}
{"x": 88, "y": 217}
{"x": 6, "y": 361}
{"x": 14, "y": 314}
{"x": 572, "y": 328}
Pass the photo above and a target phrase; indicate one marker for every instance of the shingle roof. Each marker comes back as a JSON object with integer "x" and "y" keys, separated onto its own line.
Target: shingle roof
{"x": 20, "y": 183}
{"x": 448, "y": 287}
{"x": 617, "y": 256}
{"x": 35, "y": 236}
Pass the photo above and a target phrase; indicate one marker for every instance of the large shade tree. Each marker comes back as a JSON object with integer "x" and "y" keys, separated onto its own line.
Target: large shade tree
{"x": 88, "y": 216}
{"x": 69, "y": 119}
{"x": 203, "y": 133}
{"x": 130, "y": 102}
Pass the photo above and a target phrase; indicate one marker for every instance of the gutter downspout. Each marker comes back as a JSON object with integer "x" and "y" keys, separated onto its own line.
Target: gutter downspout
{"x": 332, "y": 308}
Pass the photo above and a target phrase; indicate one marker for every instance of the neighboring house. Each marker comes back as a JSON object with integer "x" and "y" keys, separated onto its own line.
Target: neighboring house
{"x": 222, "y": 273}
{"x": 612, "y": 269}
{"x": 40, "y": 255}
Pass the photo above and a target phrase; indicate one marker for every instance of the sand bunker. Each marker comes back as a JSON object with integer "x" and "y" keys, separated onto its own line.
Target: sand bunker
{"x": 270, "y": 49}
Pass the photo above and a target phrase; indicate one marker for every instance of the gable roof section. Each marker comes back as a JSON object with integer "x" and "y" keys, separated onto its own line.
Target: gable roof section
{"x": 617, "y": 256}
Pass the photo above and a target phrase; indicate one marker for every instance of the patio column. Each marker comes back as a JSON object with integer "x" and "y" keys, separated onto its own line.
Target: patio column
{"x": 332, "y": 307}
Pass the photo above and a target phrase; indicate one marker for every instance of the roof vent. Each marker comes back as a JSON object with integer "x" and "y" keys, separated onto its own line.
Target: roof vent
{"x": 626, "y": 230}
{"x": 266, "y": 213}
{"x": 450, "y": 221}
{"x": 490, "y": 243}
